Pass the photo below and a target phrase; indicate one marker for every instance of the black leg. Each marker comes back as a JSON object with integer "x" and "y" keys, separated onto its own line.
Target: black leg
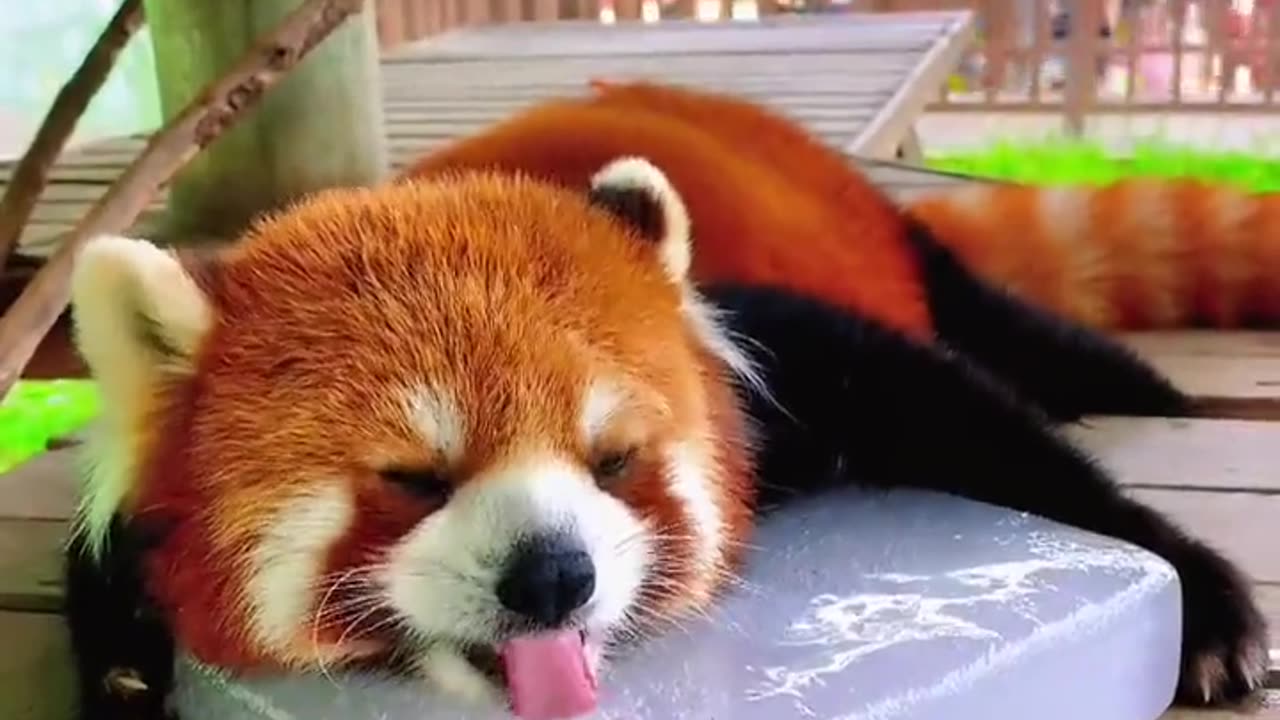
{"x": 854, "y": 399}
{"x": 123, "y": 649}
{"x": 1065, "y": 368}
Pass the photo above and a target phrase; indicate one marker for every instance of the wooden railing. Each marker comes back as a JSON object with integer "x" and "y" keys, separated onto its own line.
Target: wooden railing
{"x": 1105, "y": 56}
{"x": 1113, "y": 56}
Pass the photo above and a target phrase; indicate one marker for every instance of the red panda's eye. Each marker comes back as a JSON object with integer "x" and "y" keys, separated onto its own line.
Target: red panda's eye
{"x": 422, "y": 482}
{"x": 612, "y": 466}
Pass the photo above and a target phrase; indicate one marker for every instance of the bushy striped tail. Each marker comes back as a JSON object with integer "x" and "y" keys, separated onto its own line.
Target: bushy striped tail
{"x": 1134, "y": 255}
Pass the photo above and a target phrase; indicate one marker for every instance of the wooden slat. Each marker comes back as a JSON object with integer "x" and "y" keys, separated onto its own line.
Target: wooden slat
{"x": 97, "y": 168}
{"x": 43, "y": 488}
{"x": 433, "y": 105}
{"x": 765, "y": 88}
{"x": 1231, "y": 374}
{"x": 1241, "y": 525}
{"x": 848, "y": 67}
{"x": 748, "y": 85}
{"x": 894, "y": 122}
{"x": 1215, "y": 455}
{"x": 1217, "y": 478}
{"x": 1268, "y": 595}
{"x": 440, "y": 78}
{"x": 37, "y": 680}
{"x": 854, "y": 33}
{"x": 764, "y": 64}
{"x": 31, "y": 565}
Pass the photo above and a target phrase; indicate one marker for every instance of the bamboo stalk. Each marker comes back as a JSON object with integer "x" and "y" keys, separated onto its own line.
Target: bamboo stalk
{"x": 215, "y": 109}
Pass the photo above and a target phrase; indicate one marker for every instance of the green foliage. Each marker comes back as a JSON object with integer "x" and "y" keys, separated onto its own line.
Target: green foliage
{"x": 38, "y": 411}
{"x": 1065, "y": 161}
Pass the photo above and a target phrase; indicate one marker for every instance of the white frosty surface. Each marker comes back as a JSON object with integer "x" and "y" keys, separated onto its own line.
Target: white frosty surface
{"x": 857, "y": 606}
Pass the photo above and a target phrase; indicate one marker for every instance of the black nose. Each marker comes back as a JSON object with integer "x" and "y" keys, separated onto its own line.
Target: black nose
{"x": 546, "y": 578}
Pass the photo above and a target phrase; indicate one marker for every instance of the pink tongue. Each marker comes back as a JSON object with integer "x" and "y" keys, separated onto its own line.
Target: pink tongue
{"x": 548, "y": 676}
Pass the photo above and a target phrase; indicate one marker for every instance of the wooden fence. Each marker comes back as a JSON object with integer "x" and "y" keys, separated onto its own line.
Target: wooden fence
{"x": 1103, "y": 56}
{"x": 1113, "y": 56}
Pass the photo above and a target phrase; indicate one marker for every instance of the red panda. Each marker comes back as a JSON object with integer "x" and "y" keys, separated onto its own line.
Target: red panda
{"x": 482, "y": 423}
{"x": 1135, "y": 254}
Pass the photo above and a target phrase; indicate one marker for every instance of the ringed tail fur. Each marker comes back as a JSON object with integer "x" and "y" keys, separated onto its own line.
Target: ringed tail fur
{"x": 1136, "y": 254}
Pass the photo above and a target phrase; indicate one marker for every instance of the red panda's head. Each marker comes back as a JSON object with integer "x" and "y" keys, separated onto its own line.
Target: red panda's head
{"x": 423, "y": 419}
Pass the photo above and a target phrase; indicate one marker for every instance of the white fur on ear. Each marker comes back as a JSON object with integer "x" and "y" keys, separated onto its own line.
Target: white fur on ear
{"x": 138, "y": 316}
{"x": 632, "y": 175}
{"x": 131, "y": 298}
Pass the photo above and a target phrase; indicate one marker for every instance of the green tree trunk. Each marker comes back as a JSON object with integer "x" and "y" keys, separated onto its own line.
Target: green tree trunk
{"x": 320, "y": 127}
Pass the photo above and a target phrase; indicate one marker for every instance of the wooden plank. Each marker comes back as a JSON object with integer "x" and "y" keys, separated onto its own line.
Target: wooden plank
{"x": 852, "y": 82}
{"x": 31, "y": 565}
{"x": 43, "y": 488}
{"x": 82, "y": 177}
{"x": 1217, "y": 478}
{"x": 65, "y": 213}
{"x": 1208, "y": 343}
{"x": 849, "y": 65}
{"x": 1231, "y": 374}
{"x": 894, "y": 178}
{"x": 433, "y": 105}
{"x": 1268, "y": 595}
{"x": 928, "y": 18}
{"x": 64, "y": 192}
{"x": 765, "y": 88}
{"x": 762, "y": 65}
{"x": 37, "y": 678}
{"x": 893, "y": 123}
{"x": 765, "y": 63}
{"x": 1241, "y": 525}
{"x": 851, "y": 32}
{"x": 406, "y": 117}
{"x": 41, "y": 237}
{"x": 1192, "y": 454}
{"x": 404, "y": 121}
{"x": 408, "y": 144}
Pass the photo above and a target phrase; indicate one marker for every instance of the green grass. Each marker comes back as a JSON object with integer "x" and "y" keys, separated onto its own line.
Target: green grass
{"x": 1056, "y": 162}
{"x": 38, "y": 411}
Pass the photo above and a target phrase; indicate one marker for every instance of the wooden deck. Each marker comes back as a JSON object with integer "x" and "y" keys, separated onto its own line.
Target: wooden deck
{"x": 856, "y": 85}
{"x": 858, "y": 81}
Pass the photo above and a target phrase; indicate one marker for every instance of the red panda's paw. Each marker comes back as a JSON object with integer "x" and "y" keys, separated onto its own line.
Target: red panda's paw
{"x": 1224, "y": 659}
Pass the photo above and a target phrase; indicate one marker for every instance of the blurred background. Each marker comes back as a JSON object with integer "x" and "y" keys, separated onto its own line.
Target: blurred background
{"x": 41, "y": 44}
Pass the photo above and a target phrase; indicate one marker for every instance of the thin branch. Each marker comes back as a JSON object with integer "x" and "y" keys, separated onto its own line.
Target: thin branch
{"x": 32, "y": 171}
{"x": 216, "y": 108}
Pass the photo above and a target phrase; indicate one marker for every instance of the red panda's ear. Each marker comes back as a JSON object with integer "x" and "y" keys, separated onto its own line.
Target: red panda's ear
{"x": 136, "y": 305}
{"x": 140, "y": 315}
{"x": 637, "y": 192}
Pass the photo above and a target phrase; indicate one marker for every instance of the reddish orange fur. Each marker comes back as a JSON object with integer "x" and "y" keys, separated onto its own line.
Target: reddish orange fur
{"x": 1147, "y": 253}
{"x": 769, "y": 205}
{"x": 755, "y": 220}
{"x": 441, "y": 264}
{"x": 772, "y": 204}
